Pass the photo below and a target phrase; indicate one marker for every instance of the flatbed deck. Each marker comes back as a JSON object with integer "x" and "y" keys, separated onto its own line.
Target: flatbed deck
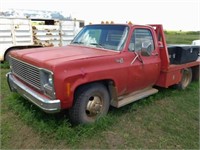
{"x": 173, "y": 74}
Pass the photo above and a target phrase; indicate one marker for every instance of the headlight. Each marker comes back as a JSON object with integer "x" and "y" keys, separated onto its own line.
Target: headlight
{"x": 48, "y": 83}
{"x": 50, "y": 80}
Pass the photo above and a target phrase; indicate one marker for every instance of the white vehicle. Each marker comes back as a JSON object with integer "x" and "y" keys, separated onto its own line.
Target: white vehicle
{"x": 21, "y": 33}
{"x": 196, "y": 42}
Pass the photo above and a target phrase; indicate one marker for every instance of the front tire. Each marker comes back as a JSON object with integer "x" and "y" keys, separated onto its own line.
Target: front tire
{"x": 91, "y": 102}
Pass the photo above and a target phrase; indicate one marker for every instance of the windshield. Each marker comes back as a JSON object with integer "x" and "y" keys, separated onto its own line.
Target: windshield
{"x": 103, "y": 36}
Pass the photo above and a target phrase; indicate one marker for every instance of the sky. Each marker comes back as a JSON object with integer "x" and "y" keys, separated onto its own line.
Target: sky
{"x": 173, "y": 14}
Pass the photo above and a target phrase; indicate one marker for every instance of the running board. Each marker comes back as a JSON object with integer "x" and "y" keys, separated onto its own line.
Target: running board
{"x": 133, "y": 97}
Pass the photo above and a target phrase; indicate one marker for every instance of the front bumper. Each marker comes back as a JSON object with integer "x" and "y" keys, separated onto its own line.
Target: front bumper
{"x": 47, "y": 105}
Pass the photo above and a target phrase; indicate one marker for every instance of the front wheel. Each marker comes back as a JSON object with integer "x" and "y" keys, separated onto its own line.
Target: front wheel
{"x": 186, "y": 79}
{"x": 91, "y": 102}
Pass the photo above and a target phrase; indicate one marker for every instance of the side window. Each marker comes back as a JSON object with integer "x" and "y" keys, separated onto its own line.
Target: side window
{"x": 140, "y": 38}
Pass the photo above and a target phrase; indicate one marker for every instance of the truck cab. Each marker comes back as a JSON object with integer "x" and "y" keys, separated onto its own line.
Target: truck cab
{"x": 105, "y": 64}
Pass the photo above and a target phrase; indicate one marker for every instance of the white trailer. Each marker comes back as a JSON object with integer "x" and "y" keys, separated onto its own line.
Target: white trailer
{"x": 22, "y": 33}
{"x": 196, "y": 42}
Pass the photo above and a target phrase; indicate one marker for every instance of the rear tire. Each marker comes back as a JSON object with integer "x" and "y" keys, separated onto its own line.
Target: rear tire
{"x": 195, "y": 73}
{"x": 186, "y": 79}
{"x": 91, "y": 102}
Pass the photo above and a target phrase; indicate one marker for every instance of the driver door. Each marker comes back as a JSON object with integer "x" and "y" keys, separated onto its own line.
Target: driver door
{"x": 143, "y": 70}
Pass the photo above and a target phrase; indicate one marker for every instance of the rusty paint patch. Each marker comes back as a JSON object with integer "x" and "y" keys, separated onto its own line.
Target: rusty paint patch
{"x": 36, "y": 41}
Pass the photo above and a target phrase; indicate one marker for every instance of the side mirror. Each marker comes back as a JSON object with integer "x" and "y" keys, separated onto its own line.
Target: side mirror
{"x": 146, "y": 49}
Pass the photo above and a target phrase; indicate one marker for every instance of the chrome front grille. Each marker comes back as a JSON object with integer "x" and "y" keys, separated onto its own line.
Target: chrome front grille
{"x": 26, "y": 72}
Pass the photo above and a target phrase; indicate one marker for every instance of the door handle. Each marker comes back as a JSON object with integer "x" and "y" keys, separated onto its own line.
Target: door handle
{"x": 137, "y": 57}
{"x": 154, "y": 54}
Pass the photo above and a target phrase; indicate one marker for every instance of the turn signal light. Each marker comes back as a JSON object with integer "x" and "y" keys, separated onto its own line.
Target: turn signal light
{"x": 107, "y": 22}
{"x": 130, "y": 23}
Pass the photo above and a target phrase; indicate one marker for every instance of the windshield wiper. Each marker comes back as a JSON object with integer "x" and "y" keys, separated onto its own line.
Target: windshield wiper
{"x": 97, "y": 45}
{"x": 77, "y": 43}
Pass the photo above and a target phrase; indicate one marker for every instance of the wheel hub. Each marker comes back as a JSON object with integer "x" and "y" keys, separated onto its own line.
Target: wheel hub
{"x": 186, "y": 78}
{"x": 94, "y": 106}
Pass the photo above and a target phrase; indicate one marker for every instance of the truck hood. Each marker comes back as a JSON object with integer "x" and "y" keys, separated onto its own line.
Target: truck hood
{"x": 50, "y": 57}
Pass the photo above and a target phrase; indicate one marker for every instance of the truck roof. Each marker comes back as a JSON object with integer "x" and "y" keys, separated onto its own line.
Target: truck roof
{"x": 127, "y": 24}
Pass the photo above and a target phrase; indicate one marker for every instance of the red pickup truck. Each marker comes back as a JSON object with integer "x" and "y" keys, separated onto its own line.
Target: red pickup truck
{"x": 105, "y": 64}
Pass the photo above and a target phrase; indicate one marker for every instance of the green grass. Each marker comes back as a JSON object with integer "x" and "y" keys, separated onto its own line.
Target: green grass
{"x": 177, "y": 37}
{"x": 4, "y": 65}
{"x": 166, "y": 120}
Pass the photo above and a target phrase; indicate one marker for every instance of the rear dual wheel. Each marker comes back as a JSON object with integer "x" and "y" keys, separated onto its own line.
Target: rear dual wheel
{"x": 195, "y": 73}
{"x": 186, "y": 79}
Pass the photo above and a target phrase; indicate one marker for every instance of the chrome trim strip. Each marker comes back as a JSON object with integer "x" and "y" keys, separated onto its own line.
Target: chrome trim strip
{"x": 47, "y": 105}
